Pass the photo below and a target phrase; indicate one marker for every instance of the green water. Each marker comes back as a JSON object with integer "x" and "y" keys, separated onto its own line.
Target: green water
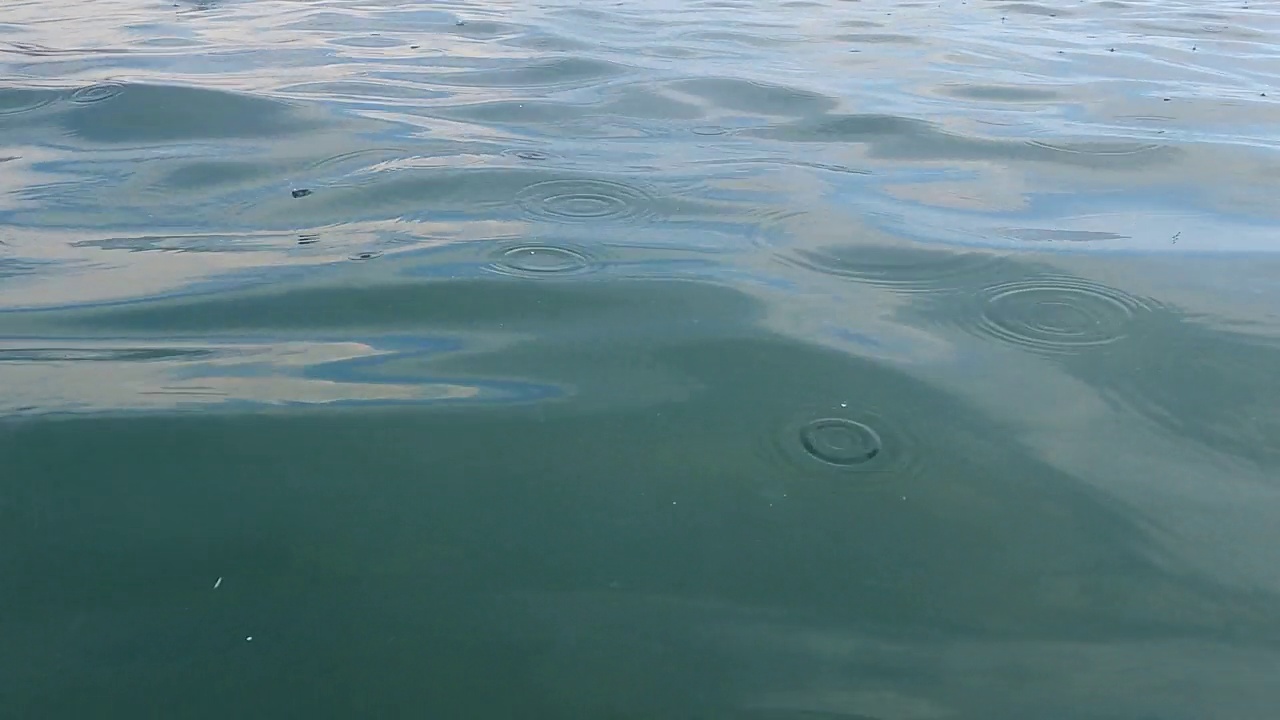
{"x": 774, "y": 361}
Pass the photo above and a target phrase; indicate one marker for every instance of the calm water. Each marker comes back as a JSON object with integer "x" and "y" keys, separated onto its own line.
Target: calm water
{"x": 660, "y": 360}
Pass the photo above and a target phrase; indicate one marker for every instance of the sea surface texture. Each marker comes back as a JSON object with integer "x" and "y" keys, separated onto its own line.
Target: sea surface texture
{"x": 654, "y": 360}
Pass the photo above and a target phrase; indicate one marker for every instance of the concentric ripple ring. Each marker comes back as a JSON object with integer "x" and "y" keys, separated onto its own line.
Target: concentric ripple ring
{"x": 585, "y": 200}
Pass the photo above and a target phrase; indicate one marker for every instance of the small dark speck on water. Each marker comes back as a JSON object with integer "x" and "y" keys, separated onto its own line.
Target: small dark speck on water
{"x": 301, "y": 193}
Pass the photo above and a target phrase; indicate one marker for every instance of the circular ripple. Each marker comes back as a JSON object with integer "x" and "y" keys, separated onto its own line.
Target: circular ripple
{"x": 901, "y": 269}
{"x": 584, "y": 200}
{"x": 97, "y": 93}
{"x": 841, "y": 442}
{"x": 542, "y": 260}
{"x": 709, "y": 130}
{"x": 366, "y": 255}
{"x": 359, "y": 159}
{"x": 533, "y": 155}
{"x": 1056, "y": 314}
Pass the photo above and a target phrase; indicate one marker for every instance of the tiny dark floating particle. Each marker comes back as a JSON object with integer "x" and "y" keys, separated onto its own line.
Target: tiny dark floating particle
{"x": 414, "y": 47}
{"x": 301, "y": 193}
{"x": 367, "y": 255}
{"x": 460, "y": 23}
{"x": 308, "y": 239}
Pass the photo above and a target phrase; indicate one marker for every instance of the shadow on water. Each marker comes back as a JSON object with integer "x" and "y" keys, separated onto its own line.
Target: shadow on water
{"x": 654, "y": 541}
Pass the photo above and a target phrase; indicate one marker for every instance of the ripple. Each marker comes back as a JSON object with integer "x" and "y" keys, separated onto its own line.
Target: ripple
{"x": 366, "y": 255}
{"x": 531, "y": 155}
{"x": 842, "y": 442}
{"x": 1098, "y": 148}
{"x": 585, "y": 200}
{"x": 14, "y": 101}
{"x": 840, "y": 439}
{"x": 359, "y": 158}
{"x": 905, "y": 270}
{"x": 96, "y": 93}
{"x": 540, "y": 260}
{"x": 1056, "y": 314}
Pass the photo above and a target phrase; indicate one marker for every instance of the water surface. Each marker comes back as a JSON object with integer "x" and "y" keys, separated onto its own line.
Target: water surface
{"x": 728, "y": 359}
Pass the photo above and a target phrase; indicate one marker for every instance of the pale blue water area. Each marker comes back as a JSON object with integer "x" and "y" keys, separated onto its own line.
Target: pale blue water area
{"x": 686, "y": 360}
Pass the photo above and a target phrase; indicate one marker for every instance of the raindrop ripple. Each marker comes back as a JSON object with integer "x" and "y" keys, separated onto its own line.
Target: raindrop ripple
{"x": 1054, "y": 314}
{"x": 842, "y": 439}
{"x": 542, "y": 260}
{"x": 96, "y": 93}
{"x": 585, "y": 200}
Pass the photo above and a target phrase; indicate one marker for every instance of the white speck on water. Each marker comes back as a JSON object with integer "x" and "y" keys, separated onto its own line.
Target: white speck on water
{"x": 249, "y": 639}
{"x": 217, "y": 583}
{"x": 844, "y": 405}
